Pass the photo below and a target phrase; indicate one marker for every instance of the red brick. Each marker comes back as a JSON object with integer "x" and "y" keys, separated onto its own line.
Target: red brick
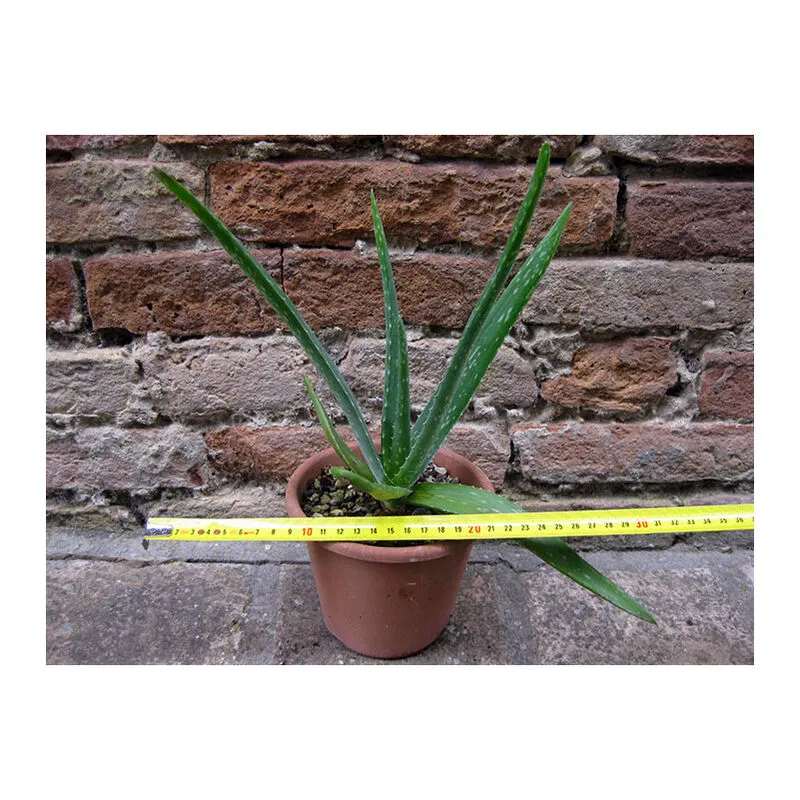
{"x": 327, "y": 202}
{"x": 624, "y": 375}
{"x": 497, "y": 148}
{"x": 726, "y": 385}
{"x": 63, "y": 295}
{"x": 686, "y": 218}
{"x": 113, "y": 458}
{"x": 690, "y": 150}
{"x": 100, "y": 200}
{"x": 179, "y": 293}
{"x": 432, "y": 289}
{"x": 581, "y": 453}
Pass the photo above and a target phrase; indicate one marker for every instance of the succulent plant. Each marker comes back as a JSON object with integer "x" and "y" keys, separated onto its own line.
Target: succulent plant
{"x": 392, "y": 474}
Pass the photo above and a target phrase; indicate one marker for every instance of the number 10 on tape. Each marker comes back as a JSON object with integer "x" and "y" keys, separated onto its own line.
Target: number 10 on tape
{"x": 618, "y": 522}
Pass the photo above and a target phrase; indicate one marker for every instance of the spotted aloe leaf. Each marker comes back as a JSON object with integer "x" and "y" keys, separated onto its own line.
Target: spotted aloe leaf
{"x": 353, "y": 462}
{"x": 497, "y": 325}
{"x": 396, "y": 419}
{"x": 460, "y": 499}
{"x": 286, "y": 310}
{"x": 429, "y": 426}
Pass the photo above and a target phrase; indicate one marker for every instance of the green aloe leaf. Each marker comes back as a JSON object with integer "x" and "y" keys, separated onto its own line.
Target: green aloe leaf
{"x": 380, "y": 491}
{"x": 559, "y": 555}
{"x": 339, "y": 445}
{"x": 288, "y": 313}
{"x": 498, "y": 323}
{"x": 435, "y": 411}
{"x": 459, "y": 499}
{"x": 396, "y": 421}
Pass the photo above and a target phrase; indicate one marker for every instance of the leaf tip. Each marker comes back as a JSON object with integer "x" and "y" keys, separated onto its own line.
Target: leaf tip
{"x": 166, "y": 179}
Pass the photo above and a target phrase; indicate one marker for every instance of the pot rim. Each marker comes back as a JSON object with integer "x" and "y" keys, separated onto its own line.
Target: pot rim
{"x": 359, "y": 550}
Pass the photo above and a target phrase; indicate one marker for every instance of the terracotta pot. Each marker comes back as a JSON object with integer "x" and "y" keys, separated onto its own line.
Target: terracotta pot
{"x": 385, "y": 602}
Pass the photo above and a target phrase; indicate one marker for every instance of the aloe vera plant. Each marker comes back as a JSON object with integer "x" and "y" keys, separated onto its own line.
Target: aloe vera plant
{"x": 392, "y": 475}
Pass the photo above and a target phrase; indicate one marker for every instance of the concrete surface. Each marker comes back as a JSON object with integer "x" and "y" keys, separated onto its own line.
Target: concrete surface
{"x": 110, "y": 601}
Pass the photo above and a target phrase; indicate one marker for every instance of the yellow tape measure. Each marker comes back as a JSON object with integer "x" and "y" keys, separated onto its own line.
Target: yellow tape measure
{"x": 617, "y": 522}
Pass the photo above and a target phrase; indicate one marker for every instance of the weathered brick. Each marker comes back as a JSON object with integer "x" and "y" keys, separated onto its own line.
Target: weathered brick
{"x": 273, "y": 453}
{"x": 727, "y": 385}
{"x": 497, "y": 148}
{"x": 102, "y": 142}
{"x": 588, "y": 160}
{"x": 623, "y": 375}
{"x": 687, "y": 218}
{"x": 510, "y": 380}
{"x": 487, "y": 447}
{"x": 209, "y": 140}
{"x": 265, "y": 454}
{"x": 636, "y": 294}
{"x": 284, "y": 142}
{"x": 703, "y": 150}
{"x": 210, "y": 378}
{"x": 89, "y": 382}
{"x": 178, "y": 293}
{"x": 226, "y": 501}
{"x": 432, "y": 289}
{"x": 114, "y": 458}
{"x": 327, "y": 202}
{"x": 441, "y": 290}
{"x": 63, "y": 296}
{"x": 95, "y": 201}
{"x": 648, "y": 453}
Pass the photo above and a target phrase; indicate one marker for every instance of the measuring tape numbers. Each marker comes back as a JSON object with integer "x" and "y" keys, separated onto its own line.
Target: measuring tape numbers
{"x": 538, "y": 524}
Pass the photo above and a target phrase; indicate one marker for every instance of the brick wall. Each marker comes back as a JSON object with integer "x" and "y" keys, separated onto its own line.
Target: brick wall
{"x": 172, "y": 388}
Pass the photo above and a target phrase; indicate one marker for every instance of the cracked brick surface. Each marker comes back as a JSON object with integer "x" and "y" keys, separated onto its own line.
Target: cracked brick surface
{"x": 174, "y": 390}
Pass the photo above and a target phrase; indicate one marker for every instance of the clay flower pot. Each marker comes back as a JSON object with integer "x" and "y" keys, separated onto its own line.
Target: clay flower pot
{"x": 385, "y": 602}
